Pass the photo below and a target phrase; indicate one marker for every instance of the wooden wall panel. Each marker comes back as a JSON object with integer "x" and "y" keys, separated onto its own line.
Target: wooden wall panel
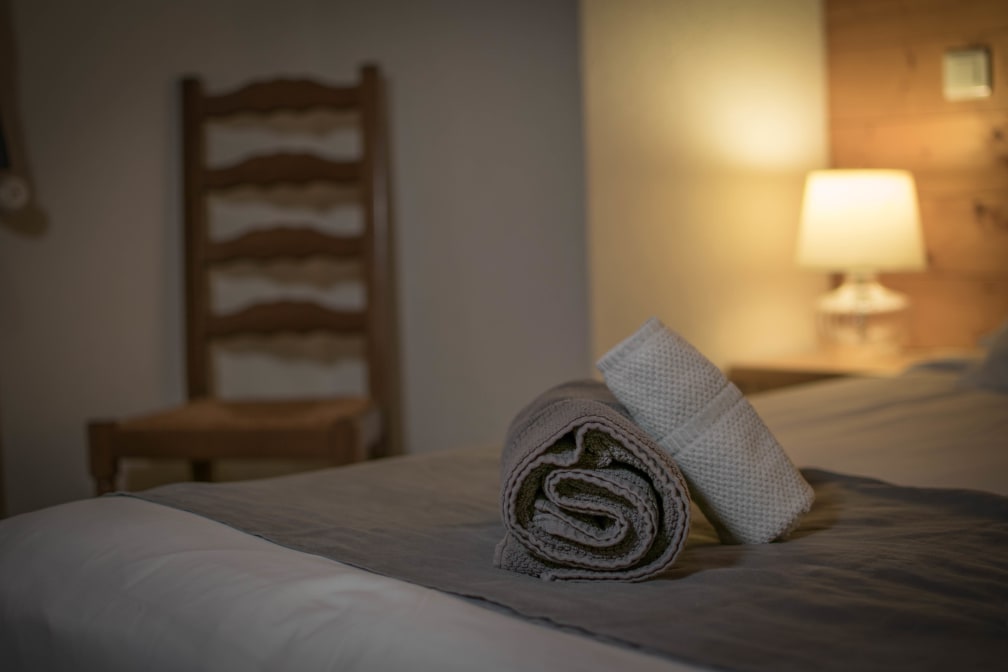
{"x": 966, "y": 233}
{"x": 890, "y": 80}
{"x": 854, "y": 24}
{"x": 965, "y": 142}
{"x": 887, "y": 110}
{"x": 939, "y": 319}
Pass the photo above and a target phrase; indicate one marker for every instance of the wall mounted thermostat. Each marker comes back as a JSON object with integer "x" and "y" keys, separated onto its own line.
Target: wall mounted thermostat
{"x": 967, "y": 73}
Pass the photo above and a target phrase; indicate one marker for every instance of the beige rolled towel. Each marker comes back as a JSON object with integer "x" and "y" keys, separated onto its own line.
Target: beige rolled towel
{"x": 586, "y": 493}
{"x": 737, "y": 472}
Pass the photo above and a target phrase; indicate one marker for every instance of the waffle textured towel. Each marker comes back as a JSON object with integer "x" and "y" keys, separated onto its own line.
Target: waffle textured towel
{"x": 586, "y": 493}
{"x": 738, "y": 474}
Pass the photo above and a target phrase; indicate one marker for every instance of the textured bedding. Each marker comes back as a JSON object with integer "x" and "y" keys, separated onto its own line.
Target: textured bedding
{"x": 119, "y": 583}
{"x": 925, "y": 428}
{"x": 909, "y": 576}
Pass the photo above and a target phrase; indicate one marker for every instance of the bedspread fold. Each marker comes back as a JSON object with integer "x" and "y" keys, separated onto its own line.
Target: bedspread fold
{"x": 586, "y": 493}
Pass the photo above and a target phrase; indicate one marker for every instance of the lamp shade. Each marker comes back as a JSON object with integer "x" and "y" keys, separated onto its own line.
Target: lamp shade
{"x": 860, "y": 220}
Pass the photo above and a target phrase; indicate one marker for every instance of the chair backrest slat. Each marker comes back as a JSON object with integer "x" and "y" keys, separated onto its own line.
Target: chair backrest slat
{"x": 277, "y": 169}
{"x": 279, "y": 241}
{"x": 283, "y": 94}
{"x": 281, "y": 317}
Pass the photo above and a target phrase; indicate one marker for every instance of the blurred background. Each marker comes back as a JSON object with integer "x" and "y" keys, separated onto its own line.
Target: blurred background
{"x": 562, "y": 170}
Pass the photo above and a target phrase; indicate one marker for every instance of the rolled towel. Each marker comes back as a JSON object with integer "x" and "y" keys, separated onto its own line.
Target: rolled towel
{"x": 586, "y": 493}
{"x": 738, "y": 474}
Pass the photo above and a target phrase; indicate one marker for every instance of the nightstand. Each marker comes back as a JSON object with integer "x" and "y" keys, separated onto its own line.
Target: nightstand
{"x": 759, "y": 375}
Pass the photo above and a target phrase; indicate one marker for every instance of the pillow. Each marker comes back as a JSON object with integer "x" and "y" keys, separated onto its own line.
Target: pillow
{"x": 992, "y": 371}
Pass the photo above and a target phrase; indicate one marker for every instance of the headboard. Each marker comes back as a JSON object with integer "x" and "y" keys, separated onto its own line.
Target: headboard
{"x": 887, "y": 110}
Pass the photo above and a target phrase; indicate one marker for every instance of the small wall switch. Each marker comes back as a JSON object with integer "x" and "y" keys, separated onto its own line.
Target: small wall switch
{"x": 967, "y": 73}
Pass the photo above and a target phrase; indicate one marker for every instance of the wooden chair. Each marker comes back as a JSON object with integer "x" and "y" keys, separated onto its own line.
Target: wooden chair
{"x": 334, "y": 429}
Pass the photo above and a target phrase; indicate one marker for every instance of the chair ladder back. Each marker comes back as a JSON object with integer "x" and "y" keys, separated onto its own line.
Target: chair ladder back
{"x": 368, "y": 173}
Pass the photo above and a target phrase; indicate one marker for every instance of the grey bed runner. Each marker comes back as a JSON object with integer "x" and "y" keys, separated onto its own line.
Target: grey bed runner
{"x": 877, "y": 577}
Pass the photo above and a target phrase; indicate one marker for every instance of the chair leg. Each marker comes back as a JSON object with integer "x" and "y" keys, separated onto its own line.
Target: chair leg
{"x": 104, "y": 462}
{"x": 202, "y": 470}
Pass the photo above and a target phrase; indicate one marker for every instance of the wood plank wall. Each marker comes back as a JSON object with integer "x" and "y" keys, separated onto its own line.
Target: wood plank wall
{"x": 887, "y": 110}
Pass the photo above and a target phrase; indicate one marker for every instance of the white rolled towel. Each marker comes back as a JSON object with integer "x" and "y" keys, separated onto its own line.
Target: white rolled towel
{"x": 737, "y": 472}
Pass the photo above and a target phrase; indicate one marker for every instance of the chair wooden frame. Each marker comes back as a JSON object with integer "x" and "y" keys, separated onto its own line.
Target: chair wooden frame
{"x": 338, "y": 429}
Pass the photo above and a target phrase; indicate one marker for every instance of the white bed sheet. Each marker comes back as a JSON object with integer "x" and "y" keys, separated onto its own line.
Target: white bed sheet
{"x": 129, "y": 585}
{"x": 192, "y": 594}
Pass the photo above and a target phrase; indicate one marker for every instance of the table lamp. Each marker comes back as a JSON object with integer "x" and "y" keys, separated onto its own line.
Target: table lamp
{"x": 861, "y": 222}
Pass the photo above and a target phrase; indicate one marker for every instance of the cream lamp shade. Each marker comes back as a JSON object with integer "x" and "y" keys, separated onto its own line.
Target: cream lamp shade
{"x": 860, "y": 222}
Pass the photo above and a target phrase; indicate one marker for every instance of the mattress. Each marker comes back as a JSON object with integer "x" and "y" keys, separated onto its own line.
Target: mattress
{"x": 121, "y": 583}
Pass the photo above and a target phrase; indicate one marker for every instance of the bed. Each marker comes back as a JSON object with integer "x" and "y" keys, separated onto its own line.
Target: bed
{"x": 126, "y": 583}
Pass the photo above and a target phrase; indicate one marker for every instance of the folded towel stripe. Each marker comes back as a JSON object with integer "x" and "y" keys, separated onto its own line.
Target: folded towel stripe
{"x": 680, "y": 438}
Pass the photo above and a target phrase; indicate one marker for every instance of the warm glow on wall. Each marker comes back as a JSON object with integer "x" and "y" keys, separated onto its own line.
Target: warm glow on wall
{"x": 702, "y": 119}
{"x": 760, "y": 125}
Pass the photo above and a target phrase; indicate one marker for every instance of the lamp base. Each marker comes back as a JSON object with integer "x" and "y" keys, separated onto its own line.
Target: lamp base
{"x": 862, "y": 318}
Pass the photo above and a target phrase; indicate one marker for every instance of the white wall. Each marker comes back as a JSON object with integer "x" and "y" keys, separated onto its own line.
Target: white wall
{"x": 489, "y": 199}
{"x": 702, "y": 118}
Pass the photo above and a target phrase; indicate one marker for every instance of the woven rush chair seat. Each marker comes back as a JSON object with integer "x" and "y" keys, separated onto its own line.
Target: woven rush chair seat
{"x": 338, "y": 429}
